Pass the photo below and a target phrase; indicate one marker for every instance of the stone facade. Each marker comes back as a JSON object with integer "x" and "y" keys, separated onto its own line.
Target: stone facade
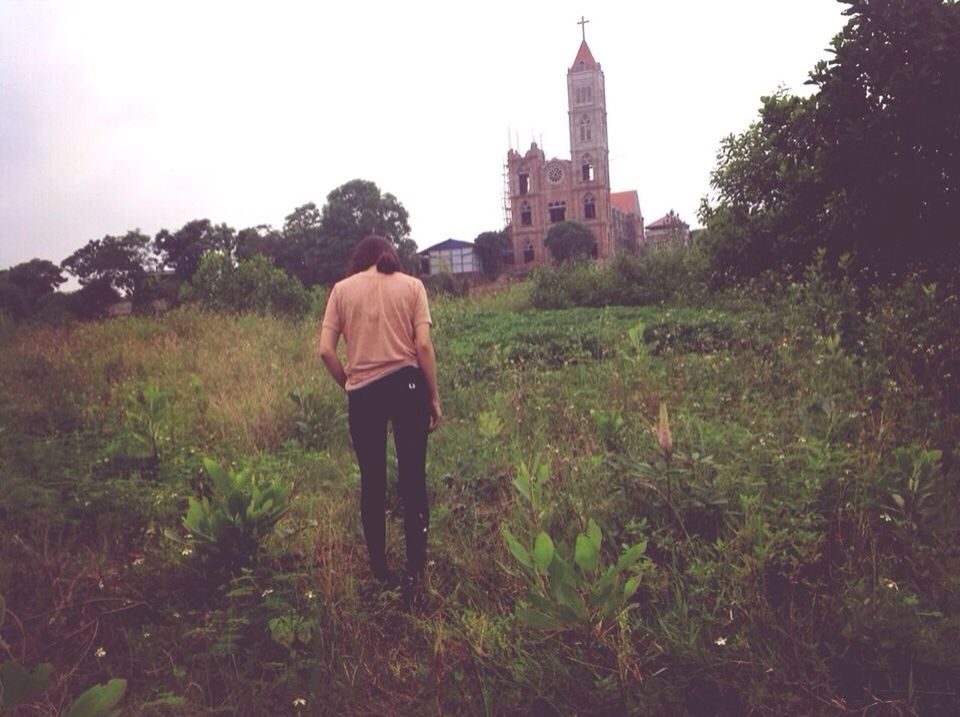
{"x": 545, "y": 191}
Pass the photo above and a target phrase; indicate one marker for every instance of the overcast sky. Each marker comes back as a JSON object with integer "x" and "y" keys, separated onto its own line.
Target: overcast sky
{"x": 115, "y": 116}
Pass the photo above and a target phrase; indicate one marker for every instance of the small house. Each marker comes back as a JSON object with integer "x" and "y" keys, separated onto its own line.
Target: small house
{"x": 451, "y": 256}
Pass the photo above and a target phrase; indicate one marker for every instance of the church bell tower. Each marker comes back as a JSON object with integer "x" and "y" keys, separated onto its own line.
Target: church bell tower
{"x": 589, "y": 150}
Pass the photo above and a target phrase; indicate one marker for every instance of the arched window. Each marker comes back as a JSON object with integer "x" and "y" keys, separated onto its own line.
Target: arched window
{"x": 528, "y": 255}
{"x": 526, "y": 216}
{"x": 585, "y": 129}
{"x": 524, "y": 182}
{"x": 558, "y": 211}
{"x": 589, "y": 207}
{"x": 586, "y": 168}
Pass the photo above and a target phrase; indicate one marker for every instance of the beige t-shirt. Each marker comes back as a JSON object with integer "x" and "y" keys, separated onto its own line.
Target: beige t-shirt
{"x": 376, "y": 314}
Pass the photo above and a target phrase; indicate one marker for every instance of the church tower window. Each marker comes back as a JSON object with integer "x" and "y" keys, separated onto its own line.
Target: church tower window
{"x": 589, "y": 207}
{"x": 585, "y": 134}
{"x": 528, "y": 255}
{"x": 524, "y": 183}
{"x": 558, "y": 211}
{"x": 526, "y": 216}
{"x": 586, "y": 167}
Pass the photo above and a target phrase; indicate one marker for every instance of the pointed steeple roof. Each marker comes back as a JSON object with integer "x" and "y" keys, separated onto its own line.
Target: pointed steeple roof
{"x": 585, "y": 57}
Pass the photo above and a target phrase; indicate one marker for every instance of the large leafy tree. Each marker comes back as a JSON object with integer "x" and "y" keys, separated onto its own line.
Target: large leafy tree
{"x": 567, "y": 241}
{"x": 353, "y": 211}
{"x": 181, "y": 250}
{"x": 302, "y": 251}
{"x": 35, "y": 278}
{"x": 868, "y": 165}
{"x": 119, "y": 263}
{"x": 490, "y": 248}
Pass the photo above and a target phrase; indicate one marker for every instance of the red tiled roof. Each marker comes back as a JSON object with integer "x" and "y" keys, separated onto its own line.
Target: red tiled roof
{"x": 584, "y": 55}
{"x": 627, "y": 202}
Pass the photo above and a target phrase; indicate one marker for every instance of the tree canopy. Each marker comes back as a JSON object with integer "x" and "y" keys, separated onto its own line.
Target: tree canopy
{"x": 569, "y": 240}
{"x": 181, "y": 250}
{"x": 490, "y": 247}
{"x": 117, "y": 262}
{"x": 353, "y": 211}
{"x": 35, "y": 278}
{"x": 869, "y": 165}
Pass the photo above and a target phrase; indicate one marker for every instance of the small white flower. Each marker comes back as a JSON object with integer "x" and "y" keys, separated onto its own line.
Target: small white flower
{"x": 146, "y": 635}
{"x": 186, "y": 551}
{"x": 100, "y": 652}
{"x": 300, "y": 702}
{"x": 266, "y": 592}
{"x": 885, "y": 518}
{"x": 720, "y": 641}
{"x": 138, "y": 561}
{"x": 100, "y": 585}
{"x": 311, "y": 595}
{"x": 890, "y": 584}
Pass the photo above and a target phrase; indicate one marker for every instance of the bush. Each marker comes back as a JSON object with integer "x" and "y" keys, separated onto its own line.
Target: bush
{"x": 446, "y": 283}
{"x": 627, "y": 280}
{"x": 253, "y": 285}
{"x": 228, "y": 531}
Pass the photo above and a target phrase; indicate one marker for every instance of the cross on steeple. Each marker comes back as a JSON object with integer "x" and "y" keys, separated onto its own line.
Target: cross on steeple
{"x": 583, "y": 26}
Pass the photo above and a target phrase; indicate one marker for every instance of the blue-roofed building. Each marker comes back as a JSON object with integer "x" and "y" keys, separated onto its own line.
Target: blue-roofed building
{"x": 451, "y": 256}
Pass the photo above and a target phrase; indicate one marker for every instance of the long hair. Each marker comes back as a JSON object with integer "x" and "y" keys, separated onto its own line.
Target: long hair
{"x": 374, "y": 250}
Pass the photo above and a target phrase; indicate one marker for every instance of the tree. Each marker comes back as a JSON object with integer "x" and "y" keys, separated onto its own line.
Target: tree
{"x": 567, "y": 241}
{"x": 119, "y": 263}
{"x": 490, "y": 247}
{"x": 253, "y": 284}
{"x": 301, "y": 251}
{"x": 869, "y": 165}
{"x": 352, "y": 212}
{"x": 36, "y": 278}
{"x": 181, "y": 250}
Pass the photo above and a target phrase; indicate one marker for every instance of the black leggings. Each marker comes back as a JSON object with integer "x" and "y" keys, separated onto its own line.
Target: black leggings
{"x": 402, "y": 399}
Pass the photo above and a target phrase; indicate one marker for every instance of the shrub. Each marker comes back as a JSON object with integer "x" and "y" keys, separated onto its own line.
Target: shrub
{"x": 446, "y": 283}
{"x": 253, "y": 285}
{"x": 228, "y": 531}
{"x": 627, "y": 280}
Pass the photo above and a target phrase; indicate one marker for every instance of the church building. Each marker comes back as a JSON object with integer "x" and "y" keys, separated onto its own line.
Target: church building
{"x": 545, "y": 191}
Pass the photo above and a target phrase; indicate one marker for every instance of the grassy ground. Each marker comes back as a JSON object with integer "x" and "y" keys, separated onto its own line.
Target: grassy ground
{"x": 797, "y": 550}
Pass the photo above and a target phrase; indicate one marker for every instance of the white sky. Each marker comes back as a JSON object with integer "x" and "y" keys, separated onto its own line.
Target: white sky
{"x": 115, "y": 116}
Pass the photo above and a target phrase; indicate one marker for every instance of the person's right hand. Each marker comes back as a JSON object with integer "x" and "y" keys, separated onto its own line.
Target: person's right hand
{"x": 435, "y": 414}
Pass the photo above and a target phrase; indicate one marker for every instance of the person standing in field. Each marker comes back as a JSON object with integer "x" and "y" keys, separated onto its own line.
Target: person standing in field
{"x": 390, "y": 376}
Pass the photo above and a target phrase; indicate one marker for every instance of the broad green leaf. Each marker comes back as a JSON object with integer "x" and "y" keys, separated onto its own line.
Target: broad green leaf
{"x": 568, "y": 597}
{"x": 631, "y": 555}
{"x": 218, "y": 476}
{"x": 543, "y": 551}
{"x": 630, "y": 587}
{"x": 20, "y": 684}
{"x": 522, "y": 482}
{"x": 539, "y": 602}
{"x": 539, "y": 620}
{"x": 585, "y": 554}
{"x": 99, "y": 699}
{"x": 560, "y": 573}
{"x": 593, "y": 532}
{"x": 518, "y": 551}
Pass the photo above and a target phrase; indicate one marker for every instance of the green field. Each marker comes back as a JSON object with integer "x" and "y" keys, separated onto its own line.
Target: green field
{"x": 791, "y": 550}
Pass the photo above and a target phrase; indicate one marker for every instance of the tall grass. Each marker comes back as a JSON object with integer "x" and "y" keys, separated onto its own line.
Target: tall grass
{"x": 800, "y": 552}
